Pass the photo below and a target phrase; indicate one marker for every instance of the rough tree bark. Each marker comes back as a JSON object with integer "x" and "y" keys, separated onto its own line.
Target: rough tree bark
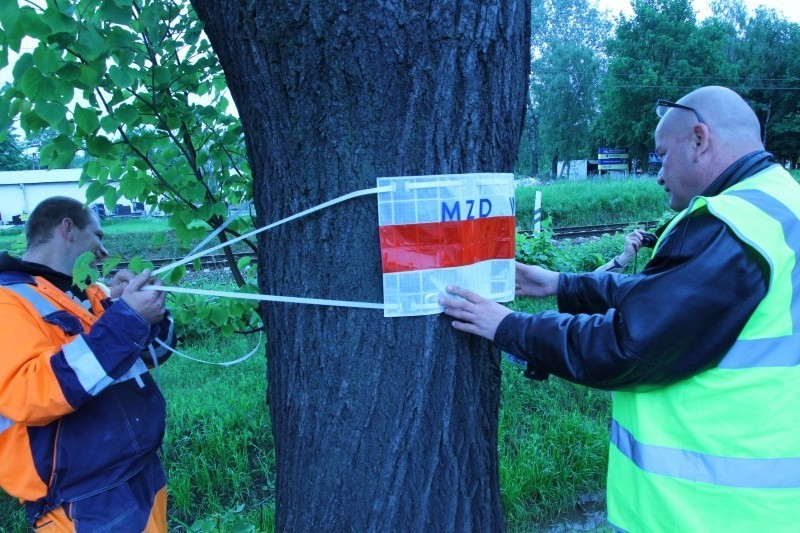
{"x": 379, "y": 424}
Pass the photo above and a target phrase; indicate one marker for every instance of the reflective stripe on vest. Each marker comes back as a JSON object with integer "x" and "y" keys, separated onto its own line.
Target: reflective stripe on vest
{"x": 742, "y": 472}
{"x": 39, "y": 302}
{"x": 44, "y": 308}
{"x": 80, "y": 358}
{"x": 5, "y": 423}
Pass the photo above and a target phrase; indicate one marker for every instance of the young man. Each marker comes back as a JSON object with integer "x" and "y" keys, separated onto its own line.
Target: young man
{"x": 701, "y": 347}
{"x": 81, "y": 419}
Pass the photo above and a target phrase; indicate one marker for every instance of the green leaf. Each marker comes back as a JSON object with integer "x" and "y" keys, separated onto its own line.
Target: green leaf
{"x": 23, "y": 63}
{"x": 69, "y": 72}
{"x": 126, "y": 114}
{"x": 176, "y": 274}
{"x": 86, "y": 119}
{"x": 91, "y": 44}
{"x": 91, "y": 171}
{"x": 89, "y": 77}
{"x": 83, "y": 273}
{"x": 94, "y": 191}
{"x": 59, "y": 22}
{"x": 32, "y": 23}
{"x": 99, "y": 145}
{"x": 37, "y": 86}
{"x": 243, "y": 262}
{"x": 58, "y": 153}
{"x": 10, "y": 19}
{"x": 46, "y": 60}
{"x": 111, "y": 11}
{"x": 110, "y": 264}
{"x": 132, "y": 187}
{"x": 198, "y": 224}
{"x": 53, "y": 114}
{"x": 137, "y": 264}
{"x": 122, "y": 77}
{"x": 219, "y": 315}
{"x": 9, "y": 13}
{"x": 121, "y": 41}
{"x": 109, "y": 124}
{"x": 31, "y": 123}
{"x": 110, "y": 197}
{"x": 150, "y": 16}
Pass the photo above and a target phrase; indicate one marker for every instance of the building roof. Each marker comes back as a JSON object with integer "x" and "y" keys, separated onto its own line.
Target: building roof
{"x": 27, "y": 177}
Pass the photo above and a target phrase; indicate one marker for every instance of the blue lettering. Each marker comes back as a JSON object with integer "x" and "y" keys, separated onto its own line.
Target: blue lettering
{"x": 454, "y": 214}
{"x": 513, "y": 201}
{"x": 486, "y": 207}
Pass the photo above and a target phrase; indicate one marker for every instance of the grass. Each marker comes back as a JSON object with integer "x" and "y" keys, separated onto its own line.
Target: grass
{"x": 218, "y": 450}
{"x": 600, "y": 201}
{"x": 552, "y": 443}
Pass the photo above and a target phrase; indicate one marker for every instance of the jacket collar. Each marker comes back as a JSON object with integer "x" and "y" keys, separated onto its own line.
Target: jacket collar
{"x": 741, "y": 169}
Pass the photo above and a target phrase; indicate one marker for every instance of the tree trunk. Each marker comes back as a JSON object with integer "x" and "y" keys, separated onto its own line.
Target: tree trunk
{"x": 379, "y": 424}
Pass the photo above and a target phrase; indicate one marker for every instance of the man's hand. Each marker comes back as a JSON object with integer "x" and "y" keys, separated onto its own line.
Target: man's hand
{"x": 475, "y": 314}
{"x": 120, "y": 281}
{"x": 147, "y": 304}
{"x": 633, "y": 241}
{"x": 535, "y": 281}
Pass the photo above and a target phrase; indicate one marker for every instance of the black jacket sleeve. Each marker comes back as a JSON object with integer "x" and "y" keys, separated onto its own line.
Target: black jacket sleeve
{"x": 677, "y": 317}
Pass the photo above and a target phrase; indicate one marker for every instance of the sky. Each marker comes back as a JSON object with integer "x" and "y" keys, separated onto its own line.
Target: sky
{"x": 790, "y": 9}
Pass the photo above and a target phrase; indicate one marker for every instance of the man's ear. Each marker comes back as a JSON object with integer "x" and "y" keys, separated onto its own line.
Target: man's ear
{"x": 700, "y": 139}
{"x": 65, "y": 229}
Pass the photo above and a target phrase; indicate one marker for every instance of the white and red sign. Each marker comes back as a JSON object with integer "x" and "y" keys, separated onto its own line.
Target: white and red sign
{"x": 453, "y": 229}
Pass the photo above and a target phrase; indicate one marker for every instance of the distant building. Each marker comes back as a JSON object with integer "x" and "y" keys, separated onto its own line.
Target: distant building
{"x": 22, "y": 190}
{"x": 577, "y": 169}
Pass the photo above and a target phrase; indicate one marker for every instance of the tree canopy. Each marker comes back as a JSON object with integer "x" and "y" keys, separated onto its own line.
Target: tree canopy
{"x": 135, "y": 86}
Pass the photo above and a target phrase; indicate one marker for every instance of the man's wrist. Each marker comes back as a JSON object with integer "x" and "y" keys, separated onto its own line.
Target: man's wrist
{"x": 618, "y": 263}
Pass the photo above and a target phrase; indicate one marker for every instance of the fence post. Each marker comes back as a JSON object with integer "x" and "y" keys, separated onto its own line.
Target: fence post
{"x": 537, "y": 212}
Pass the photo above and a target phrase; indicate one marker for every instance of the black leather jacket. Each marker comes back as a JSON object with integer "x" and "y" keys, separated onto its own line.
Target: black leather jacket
{"x": 677, "y": 317}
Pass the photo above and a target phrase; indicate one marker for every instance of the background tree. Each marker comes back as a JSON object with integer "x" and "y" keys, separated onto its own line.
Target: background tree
{"x": 565, "y": 75}
{"x": 379, "y": 424}
{"x": 12, "y": 156}
{"x": 660, "y": 52}
{"x": 769, "y": 63}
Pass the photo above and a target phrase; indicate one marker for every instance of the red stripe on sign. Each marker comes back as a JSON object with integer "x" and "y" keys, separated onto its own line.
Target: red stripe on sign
{"x": 408, "y": 247}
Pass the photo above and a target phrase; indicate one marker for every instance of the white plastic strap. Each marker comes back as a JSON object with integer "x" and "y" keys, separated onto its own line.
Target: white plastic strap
{"x": 192, "y": 257}
{"x": 224, "y": 363}
{"x": 217, "y": 231}
{"x": 265, "y": 297}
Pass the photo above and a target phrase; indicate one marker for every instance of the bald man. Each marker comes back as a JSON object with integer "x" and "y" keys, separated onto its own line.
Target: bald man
{"x": 701, "y": 347}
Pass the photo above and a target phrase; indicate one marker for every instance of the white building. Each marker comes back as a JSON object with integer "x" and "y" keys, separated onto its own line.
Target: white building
{"x": 22, "y": 190}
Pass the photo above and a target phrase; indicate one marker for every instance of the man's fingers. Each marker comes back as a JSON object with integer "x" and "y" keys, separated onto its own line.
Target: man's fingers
{"x": 140, "y": 281}
{"x": 464, "y": 293}
{"x": 464, "y": 326}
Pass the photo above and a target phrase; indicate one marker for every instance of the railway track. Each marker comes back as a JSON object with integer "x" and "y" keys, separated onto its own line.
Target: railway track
{"x": 219, "y": 260}
{"x": 206, "y": 262}
{"x": 600, "y": 229}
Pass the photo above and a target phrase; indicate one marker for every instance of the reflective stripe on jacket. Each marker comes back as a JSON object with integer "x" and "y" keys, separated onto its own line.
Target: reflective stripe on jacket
{"x": 79, "y": 412}
{"x": 721, "y": 451}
